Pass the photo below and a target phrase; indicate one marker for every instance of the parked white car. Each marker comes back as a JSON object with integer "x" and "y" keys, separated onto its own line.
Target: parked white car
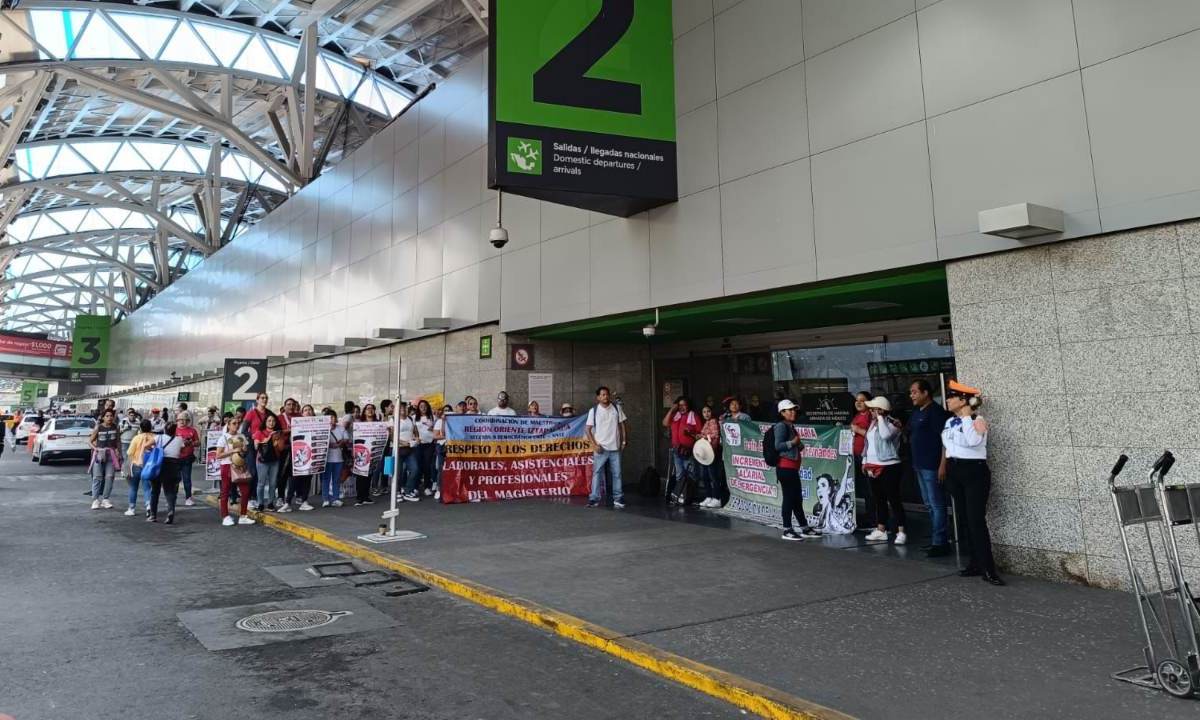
{"x": 64, "y": 437}
{"x": 24, "y": 430}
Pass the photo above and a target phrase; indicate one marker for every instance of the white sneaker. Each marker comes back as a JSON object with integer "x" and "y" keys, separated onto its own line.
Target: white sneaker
{"x": 325, "y": 504}
{"x": 338, "y": 503}
{"x": 437, "y": 494}
{"x": 901, "y": 538}
{"x": 412, "y": 497}
{"x": 95, "y": 504}
{"x": 304, "y": 506}
{"x": 285, "y": 508}
{"x": 428, "y": 492}
{"x": 244, "y": 520}
{"x": 189, "y": 502}
{"x": 130, "y": 512}
{"x": 106, "y": 504}
{"x": 228, "y": 521}
{"x": 253, "y": 504}
{"x": 877, "y": 534}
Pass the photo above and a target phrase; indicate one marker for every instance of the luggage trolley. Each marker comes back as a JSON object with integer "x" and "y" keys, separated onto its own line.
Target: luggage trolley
{"x": 1167, "y": 609}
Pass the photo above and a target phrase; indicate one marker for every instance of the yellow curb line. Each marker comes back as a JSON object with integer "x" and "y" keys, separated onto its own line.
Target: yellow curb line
{"x": 746, "y": 694}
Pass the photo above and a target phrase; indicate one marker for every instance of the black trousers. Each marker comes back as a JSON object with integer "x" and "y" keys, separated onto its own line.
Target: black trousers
{"x": 885, "y": 491}
{"x": 789, "y": 485}
{"x": 283, "y": 482}
{"x": 970, "y": 483}
{"x": 167, "y": 481}
{"x": 362, "y": 486}
{"x": 298, "y": 487}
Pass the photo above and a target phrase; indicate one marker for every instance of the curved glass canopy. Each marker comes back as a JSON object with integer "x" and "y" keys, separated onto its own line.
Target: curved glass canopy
{"x": 69, "y": 33}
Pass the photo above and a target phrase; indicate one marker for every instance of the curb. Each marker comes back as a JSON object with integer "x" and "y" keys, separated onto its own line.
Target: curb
{"x": 746, "y": 694}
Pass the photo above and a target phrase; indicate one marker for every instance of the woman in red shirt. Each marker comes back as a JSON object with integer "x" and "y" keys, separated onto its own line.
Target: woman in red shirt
{"x": 711, "y": 431}
{"x": 859, "y": 425}
{"x": 187, "y": 455}
{"x": 267, "y": 459}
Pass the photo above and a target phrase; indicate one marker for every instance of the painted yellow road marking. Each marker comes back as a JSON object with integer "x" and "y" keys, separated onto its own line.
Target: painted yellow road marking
{"x": 753, "y": 697}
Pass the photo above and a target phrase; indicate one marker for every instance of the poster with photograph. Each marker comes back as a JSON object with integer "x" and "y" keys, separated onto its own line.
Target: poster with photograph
{"x": 826, "y": 476}
{"x": 370, "y": 438}
{"x": 212, "y": 466}
{"x": 310, "y": 445}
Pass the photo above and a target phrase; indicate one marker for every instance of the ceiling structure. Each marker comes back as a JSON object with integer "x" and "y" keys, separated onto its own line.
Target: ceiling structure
{"x": 138, "y": 138}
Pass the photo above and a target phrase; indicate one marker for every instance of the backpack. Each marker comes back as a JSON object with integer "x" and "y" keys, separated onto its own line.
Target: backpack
{"x": 152, "y": 461}
{"x": 770, "y": 452}
{"x": 650, "y": 483}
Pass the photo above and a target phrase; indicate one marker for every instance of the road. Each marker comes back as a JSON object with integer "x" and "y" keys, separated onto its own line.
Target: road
{"x": 92, "y": 628}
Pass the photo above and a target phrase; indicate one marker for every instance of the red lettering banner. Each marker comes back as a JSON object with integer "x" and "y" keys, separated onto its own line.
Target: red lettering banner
{"x": 508, "y": 458}
{"x": 17, "y": 345}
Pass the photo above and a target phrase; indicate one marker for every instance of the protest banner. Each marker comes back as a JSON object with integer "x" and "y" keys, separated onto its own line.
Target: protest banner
{"x": 212, "y": 466}
{"x": 506, "y": 458}
{"x": 310, "y": 445}
{"x": 369, "y": 440}
{"x": 826, "y": 476}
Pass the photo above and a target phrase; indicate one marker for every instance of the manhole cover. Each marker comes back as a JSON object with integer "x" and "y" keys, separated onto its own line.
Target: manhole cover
{"x": 277, "y": 621}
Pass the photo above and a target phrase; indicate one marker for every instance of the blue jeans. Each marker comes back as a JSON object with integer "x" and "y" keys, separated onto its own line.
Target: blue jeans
{"x": 935, "y": 502}
{"x": 135, "y": 479}
{"x": 611, "y": 458}
{"x": 185, "y": 475}
{"x": 409, "y": 472}
{"x": 683, "y": 468}
{"x": 268, "y": 475}
{"x": 331, "y": 481}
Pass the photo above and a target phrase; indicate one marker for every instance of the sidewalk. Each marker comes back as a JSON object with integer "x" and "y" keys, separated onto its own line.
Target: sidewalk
{"x": 848, "y": 626}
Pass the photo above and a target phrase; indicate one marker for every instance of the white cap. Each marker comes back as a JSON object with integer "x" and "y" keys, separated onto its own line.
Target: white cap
{"x": 786, "y": 405}
{"x": 879, "y": 402}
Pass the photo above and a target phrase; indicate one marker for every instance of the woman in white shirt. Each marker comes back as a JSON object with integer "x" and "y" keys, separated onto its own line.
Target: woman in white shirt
{"x": 426, "y": 449}
{"x": 167, "y": 480}
{"x": 881, "y": 463}
{"x": 968, "y": 478}
{"x": 439, "y": 434}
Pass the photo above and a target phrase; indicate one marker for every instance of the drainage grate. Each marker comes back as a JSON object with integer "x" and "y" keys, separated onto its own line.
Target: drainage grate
{"x": 336, "y": 569}
{"x": 277, "y": 621}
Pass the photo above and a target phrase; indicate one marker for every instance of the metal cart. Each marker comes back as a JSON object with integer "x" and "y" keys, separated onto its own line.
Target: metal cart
{"x": 1167, "y": 608}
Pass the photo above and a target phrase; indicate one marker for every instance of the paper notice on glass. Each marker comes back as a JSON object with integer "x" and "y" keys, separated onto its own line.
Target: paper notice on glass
{"x": 541, "y": 391}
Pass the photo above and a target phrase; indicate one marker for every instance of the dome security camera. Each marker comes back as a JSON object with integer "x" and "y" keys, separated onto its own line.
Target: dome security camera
{"x": 498, "y": 237}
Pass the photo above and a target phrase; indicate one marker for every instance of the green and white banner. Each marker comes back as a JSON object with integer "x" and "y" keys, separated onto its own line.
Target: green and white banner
{"x": 582, "y": 102}
{"x": 89, "y": 349}
{"x": 826, "y": 476}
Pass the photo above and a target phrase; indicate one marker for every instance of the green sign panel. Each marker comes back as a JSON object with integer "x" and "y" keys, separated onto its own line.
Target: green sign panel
{"x": 583, "y": 102}
{"x": 31, "y": 390}
{"x": 89, "y": 349}
{"x": 485, "y": 347}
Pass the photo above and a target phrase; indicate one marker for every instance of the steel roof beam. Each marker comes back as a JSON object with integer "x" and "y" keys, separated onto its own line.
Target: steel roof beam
{"x": 211, "y": 122}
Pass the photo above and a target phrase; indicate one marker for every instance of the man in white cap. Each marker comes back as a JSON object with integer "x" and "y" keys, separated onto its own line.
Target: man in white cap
{"x": 157, "y": 424}
{"x": 791, "y": 452}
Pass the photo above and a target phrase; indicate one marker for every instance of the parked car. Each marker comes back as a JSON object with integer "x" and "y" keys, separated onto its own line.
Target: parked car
{"x": 64, "y": 437}
{"x": 25, "y": 429}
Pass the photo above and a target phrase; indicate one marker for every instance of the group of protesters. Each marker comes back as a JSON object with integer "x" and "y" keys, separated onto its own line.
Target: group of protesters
{"x": 254, "y": 455}
{"x": 947, "y": 445}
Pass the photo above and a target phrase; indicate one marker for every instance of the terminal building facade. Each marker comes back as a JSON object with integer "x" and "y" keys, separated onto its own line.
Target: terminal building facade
{"x": 833, "y": 160}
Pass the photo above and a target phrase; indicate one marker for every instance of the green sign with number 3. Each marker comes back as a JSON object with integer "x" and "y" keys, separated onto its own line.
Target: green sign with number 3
{"x": 89, "y": 349}
{"x": 583, "y": 102}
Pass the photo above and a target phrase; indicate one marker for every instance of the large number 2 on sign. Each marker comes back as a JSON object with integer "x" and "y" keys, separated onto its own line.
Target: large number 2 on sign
{"x": 562, "y": 81}
{"x": 91, "y": 350}
{"x": 251, "y": 376}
